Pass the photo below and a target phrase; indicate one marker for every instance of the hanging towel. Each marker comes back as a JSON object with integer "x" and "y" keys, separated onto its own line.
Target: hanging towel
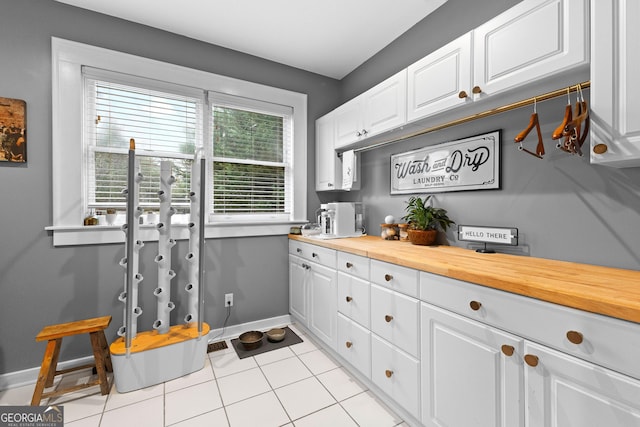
{"x": 348, "y": 169}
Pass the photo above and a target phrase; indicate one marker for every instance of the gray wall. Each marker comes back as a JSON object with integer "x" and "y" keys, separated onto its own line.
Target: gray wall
{"x": 564, "y": 207}
{"x": 40, "y": 284}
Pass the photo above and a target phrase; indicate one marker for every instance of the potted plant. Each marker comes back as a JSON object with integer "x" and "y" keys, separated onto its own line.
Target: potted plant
{"x": 425, "y": 220}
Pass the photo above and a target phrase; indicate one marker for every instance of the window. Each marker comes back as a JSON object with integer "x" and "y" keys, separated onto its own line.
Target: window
{"x": 165, "y": 126}
{"x": 245, "y": 129}
{"x": 251, "y": 143}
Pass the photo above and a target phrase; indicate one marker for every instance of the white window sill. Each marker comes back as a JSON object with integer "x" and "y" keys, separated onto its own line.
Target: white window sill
{"x": 104, "y": 234}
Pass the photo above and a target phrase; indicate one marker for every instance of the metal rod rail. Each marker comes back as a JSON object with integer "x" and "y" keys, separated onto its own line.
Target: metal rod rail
{"x": 487, "y": 113}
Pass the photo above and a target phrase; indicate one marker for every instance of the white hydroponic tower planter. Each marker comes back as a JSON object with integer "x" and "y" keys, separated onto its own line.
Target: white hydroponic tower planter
{"x": 142, "y": 359}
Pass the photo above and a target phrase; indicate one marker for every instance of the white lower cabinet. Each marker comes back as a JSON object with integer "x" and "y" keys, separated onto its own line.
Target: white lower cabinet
{"x": 323, "y": 308}
{"x": 396, "y": 373}
{"x": 313, "y": 289}
{"x": 354, "y": 344}
{"x": 298, "y": 289}
{"x": 471, "y": 373}
{"x": 564, "y": 391}
{"x": 353, "y": 298}
{"x": 465, "y": 355}
{"x": 395, "y": 317}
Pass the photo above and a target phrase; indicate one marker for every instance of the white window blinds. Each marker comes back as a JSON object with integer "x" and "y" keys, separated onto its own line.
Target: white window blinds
{"x": 252, "y": 142}
{"x": 164, "y": 120}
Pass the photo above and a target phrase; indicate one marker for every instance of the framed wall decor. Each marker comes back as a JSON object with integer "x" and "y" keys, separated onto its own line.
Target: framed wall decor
{"x": 465, "y": 164}
{"x": 13, "y": 130}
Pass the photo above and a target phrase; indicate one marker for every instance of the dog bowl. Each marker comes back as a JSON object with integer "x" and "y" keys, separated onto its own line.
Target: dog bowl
{"x": 251, "y": 340}
{"x": 276, "y": 334}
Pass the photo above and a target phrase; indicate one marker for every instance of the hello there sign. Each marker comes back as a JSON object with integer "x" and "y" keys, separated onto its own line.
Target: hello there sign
{"x": 466, "y": 164}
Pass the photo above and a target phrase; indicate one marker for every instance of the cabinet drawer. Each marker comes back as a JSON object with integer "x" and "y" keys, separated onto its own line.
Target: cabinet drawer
{"x": 354, "y": 344}
{"x": 397, "y": 374}
{"x": 603, "y": 340}
{"x": 354, "y": 264}
{"x": 323, "y": 256}
{"x": 401, "y": 279}
{"x": 353, "y": 298}
{"x": 395, "y": 317}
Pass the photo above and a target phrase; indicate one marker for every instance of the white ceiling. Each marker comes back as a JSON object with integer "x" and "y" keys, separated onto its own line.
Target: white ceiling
{"x": 330, "y": 37}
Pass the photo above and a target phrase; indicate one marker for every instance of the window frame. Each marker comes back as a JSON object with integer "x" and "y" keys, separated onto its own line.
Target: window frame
{"x": 68, "y": 58}
{"x": 227, "y": 101}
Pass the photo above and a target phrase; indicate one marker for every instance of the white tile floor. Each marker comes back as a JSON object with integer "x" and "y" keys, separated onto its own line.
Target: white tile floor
{"x": 293, "y": 386}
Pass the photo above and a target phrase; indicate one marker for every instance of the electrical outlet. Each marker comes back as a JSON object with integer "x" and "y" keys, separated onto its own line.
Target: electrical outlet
{"x": 228, "y": 300}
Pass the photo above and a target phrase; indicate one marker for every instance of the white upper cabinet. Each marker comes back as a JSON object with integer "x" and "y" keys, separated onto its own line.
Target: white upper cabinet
{"x": 327, "y": 172}
{"x": 531, "y": 41}
{"x": 441, "y": 80}
{"x": 615, "y": 93}
{"x": 379, "y": 109}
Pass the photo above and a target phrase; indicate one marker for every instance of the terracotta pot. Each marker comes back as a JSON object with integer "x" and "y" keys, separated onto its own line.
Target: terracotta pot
{"x": 422, "y": 237}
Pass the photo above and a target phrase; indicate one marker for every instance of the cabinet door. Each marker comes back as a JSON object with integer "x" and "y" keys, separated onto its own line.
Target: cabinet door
{"x": 467, "y": 377}
{"x": 348, "y": 123}
{"x": 565, "y": 391}
{"x": 532, "y": 40}
{"x": 397, "y": 374}
{"x": 298, "y": 289}
{"x": 441, "y": 80}
{"x": 615, "y": 94}
{"x": 385, "y": 105}
{"x": 323, "y": 303}
{"x": 326, "y": 165}
{"x": 354, "y": 344}
{"x": 395, "y": 317}
{"x": 353, "y": 298}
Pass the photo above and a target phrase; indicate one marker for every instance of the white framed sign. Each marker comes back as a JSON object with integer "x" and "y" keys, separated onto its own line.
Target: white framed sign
{"x": 482, "y": 234}
{"x": 466, "y": 164}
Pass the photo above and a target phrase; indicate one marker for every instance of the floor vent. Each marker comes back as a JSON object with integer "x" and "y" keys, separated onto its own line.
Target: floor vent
{"x": 216, "y": 346}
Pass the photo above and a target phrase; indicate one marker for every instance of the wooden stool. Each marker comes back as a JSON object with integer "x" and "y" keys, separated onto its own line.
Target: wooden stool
{"x": 54, "y": 333}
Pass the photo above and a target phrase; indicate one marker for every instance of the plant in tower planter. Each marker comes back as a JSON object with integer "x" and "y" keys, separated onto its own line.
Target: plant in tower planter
{"x": 425, "y": 220}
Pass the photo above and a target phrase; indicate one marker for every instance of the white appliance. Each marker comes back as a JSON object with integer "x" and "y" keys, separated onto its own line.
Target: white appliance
{"x": 343, "y": 218}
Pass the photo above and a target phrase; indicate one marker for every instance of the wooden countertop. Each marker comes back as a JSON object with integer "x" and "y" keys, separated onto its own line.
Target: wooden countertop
{"x": 609, "y": 291}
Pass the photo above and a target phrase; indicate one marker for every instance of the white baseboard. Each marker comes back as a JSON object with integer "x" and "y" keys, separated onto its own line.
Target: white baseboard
{"x": 30, "y": 376}
{"x": 258, "y": 325}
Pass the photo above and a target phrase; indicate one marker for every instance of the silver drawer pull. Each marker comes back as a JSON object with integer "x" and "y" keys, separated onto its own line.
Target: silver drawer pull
{"x": 575, "y": 337}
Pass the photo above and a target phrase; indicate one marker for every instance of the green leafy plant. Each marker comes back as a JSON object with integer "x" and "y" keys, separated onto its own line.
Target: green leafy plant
{"x": 422, "y": 216}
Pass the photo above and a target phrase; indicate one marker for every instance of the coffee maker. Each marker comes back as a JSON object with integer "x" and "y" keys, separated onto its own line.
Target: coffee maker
{"x": 342, "y": 218}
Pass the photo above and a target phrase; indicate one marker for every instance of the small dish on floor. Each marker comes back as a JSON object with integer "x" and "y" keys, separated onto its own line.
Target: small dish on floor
{"x": 276, "y": 334}
{"x": 251, "y": 340}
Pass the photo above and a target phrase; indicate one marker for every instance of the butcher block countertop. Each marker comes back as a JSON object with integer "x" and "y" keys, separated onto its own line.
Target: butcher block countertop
{"x": 609, "y": 291}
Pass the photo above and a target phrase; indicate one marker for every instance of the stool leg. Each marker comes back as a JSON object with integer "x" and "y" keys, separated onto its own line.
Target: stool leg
{"x": 98, "y": 354}
{"x": 106, "y": 352}
{"x": 54, "y": 363}
{"x": 47, "y": 370}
